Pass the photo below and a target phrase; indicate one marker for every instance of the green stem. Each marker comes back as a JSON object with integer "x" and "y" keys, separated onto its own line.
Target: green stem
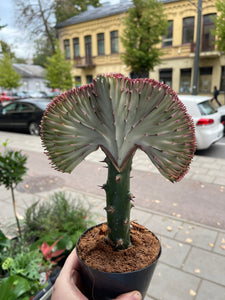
{"x": 118, "y": 199}
{"x": 15, "y": 211}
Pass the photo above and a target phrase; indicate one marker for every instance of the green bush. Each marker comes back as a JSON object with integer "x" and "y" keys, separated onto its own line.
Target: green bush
{"x": 51, "y": 225}
{"x": 61, "y": 216}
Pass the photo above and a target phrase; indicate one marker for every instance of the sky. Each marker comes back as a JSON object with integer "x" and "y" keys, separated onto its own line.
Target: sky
{"x": 11, "y": 34}
{"x": 15, "y": 36}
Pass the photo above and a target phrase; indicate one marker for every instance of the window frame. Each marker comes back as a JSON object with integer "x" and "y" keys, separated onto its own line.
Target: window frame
{"x": 76, "y": 46}
{"x": 114, "y": 41}
{"x": 167, "y": 40}
{"x": 66, "y": 43}
{"x": 188, "y": 38}
{"x": 101, "y": 43}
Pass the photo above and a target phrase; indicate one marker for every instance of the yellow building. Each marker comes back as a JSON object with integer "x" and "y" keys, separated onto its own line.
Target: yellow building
{"x": 91, "y": 41}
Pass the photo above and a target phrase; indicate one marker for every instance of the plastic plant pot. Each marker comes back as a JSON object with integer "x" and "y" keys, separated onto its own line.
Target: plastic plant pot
{"x": 101, "y": 285}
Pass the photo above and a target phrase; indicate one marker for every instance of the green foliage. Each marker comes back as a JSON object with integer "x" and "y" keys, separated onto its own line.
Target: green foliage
{"x": 25, "y": 264}
{"x": 43, "y": 49}
{"x": 65, "y": 9}
{"x": 220, "y": 25}
{"x": 9, "y": 78}
{"x": 14, "y": 288}
{"x": 12, "y": 168}
{"x": 58, "y": 71}
{"x": 22, "y": 266}
{"x": 58, "y": 222}
{"x": 6, "y": 49}
{"x": 145, "y": 24}
{"x": 61, "y": 216}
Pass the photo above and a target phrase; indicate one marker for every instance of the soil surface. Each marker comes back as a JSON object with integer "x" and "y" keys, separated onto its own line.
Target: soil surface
{"x": 96, "y": 253}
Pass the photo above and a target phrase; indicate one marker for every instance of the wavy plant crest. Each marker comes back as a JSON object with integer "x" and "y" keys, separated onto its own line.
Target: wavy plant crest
{"x": 120, "y": 115}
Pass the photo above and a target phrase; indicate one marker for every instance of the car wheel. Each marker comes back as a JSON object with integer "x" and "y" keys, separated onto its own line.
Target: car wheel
{"x": 34, "y": 128}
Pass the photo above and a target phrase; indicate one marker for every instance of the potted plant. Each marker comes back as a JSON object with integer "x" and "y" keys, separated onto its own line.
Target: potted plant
{"x": 12, "y": 170}
{"x": 119, "y": 115}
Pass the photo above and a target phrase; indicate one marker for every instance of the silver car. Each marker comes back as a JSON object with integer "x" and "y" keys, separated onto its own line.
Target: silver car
{"x": 207, "y": 120}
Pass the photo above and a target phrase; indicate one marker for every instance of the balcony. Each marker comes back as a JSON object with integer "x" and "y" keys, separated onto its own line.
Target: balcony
{"x": 207, "y": 49}
{"x": 84, "y": 62}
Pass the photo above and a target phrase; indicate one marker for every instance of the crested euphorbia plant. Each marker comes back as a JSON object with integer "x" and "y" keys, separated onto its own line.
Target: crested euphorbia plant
{"x": 119, "y": 115}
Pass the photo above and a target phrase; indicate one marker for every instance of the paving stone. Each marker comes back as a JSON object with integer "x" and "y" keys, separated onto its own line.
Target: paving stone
{"x": 173, "y": 252}
{"x": 220, "y": 244}
{"x": 4, "y": 193}
{"x": 197, "y": 236}
{"x": 211, "y": 265}
{"x": 140, "y": 216}
{"x": 202, "y": 177}
{"x": 219, "y": 180}
{"x": 169, "y": 283}
{"x": 210, "y": 291}
{"x": 163, "y": 225}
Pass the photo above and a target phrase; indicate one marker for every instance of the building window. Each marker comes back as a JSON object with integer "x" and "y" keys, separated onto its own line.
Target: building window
{"x": 205, "y": 79}
{"x": 101, "y": 43}
{"x": 88, "y": 49}
{"x": 114, "y": 41}
{"x": 207, "y": 36}
{"x": 188, "y": 30}
{"x": 89, "y": 79}
{"x": 76, "y": 47}
{"x": 167, "y": 40}
{"x": 222, "y": 80}
{"x": 77, "y": 81}
{"x": 185, "y": 80}
{"x": 67, "y": 49}
{"x": 165, "y": 76}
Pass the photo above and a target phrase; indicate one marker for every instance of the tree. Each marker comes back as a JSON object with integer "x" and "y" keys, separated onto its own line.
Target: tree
{"x": 9, "y": 78}
{"x": 220, "y": 25}
{"x": 40, "y": 16}
{"x": 6, "y": 49}
{"x": 145, "y": 24}
{"x": 43, "y": 50}
{"x": 58, "y": 71}
{"x": 65, "y": 9}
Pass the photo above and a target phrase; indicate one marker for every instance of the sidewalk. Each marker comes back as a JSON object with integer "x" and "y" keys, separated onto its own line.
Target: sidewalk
{"x": 192, "y": 264}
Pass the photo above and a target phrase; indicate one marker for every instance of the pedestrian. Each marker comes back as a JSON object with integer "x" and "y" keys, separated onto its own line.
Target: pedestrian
{"x": 215, "y": 95}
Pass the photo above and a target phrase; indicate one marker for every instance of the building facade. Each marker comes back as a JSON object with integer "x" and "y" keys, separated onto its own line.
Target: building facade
{"x": 92, "y": 42}
{"x": 32, "y": 78}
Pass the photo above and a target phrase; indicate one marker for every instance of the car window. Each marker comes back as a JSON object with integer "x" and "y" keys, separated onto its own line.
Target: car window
{"x": 206, "y": 108}
{"x": 9, "y": 108}
{"x": 25, "y": 107}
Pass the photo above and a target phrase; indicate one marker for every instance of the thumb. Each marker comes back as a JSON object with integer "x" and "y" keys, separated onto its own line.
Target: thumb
{"x": 135, "y": 295}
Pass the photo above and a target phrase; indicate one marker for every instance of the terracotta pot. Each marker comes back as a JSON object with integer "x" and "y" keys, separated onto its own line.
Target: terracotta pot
{"x": 101, "y": 285}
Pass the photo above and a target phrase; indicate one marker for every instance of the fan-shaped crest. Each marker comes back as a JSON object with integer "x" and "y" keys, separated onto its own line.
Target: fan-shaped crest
{"x": 120, "y": 115}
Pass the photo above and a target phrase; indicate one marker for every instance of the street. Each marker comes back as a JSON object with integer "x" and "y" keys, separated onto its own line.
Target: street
{"x": 217, "y": 150}
{"x": 199, "y": 197}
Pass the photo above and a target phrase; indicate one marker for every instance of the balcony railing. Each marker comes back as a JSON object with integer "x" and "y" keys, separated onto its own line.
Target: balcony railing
{"x": 206, "y": 45}
{"x": 84, "y": 62}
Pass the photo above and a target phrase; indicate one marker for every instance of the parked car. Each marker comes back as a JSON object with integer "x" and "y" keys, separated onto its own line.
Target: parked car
{"x": 23, "y": 115}
{"x": 207, "y": 120}
{"x": 221, "y": 110}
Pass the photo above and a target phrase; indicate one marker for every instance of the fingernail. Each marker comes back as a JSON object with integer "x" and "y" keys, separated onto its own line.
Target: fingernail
{"x": 136, "y": 296}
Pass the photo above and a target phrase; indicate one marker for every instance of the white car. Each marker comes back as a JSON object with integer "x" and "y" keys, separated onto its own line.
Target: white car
{"x": 207, "y": 120}
{"x": 221, "y": 110}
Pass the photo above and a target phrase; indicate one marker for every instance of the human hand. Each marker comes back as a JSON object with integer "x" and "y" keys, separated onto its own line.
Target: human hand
{"x": 68, "y": 284}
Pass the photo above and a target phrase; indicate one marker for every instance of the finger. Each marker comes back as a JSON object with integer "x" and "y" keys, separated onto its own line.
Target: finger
{"x": 135, "y": 295}
{"x": 71, "y": 264}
